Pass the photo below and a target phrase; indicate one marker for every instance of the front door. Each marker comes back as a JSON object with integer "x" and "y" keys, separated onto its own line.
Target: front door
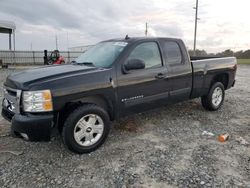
{"x": 141, "y": 89}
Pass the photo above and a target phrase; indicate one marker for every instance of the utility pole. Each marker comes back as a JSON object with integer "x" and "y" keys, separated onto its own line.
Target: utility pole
{"x": 195, "y": 25}
{"x": 10, "y": 41}
{"x": 14, "y": 39}
{"x": 146, "y": 30}
{"x": 56, "y": 43}
{"x": 67, "y": 40}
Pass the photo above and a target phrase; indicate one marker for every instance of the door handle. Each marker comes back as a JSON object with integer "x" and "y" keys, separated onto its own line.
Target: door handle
{"x": 160, "y": 76}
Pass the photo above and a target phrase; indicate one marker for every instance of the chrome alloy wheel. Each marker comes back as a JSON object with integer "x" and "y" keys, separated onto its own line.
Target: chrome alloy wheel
{"x": 217, "y": 96}
{"x": 88, "y": 130}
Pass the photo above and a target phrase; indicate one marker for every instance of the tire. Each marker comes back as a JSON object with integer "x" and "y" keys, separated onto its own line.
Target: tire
{"x": 216, "y": 91}
{"x": 50, "y": 62}
{"x": 88, "y": 134}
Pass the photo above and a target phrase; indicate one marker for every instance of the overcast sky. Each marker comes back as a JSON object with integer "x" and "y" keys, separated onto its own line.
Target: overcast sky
{"x": 223, "y": 24}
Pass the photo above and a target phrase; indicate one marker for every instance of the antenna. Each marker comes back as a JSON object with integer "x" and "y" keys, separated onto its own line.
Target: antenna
{"x": 56, "y": 43}
{"x": 127, "y": 37}
{"x": 68, "y": 40}
{"x": 146, "y": 29}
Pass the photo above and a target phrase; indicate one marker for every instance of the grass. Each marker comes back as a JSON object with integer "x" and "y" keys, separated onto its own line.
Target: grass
{"x": 243, "y": 61}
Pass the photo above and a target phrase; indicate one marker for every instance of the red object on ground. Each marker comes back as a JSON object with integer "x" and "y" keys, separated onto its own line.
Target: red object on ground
{"x": 223, "y": 137}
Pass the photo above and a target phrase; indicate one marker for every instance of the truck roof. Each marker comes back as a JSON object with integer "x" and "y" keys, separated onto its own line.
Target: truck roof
{"x": 134, "y": 39}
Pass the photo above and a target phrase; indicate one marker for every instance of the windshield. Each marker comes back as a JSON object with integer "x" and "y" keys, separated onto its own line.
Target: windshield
{"x": 102, "y": 54}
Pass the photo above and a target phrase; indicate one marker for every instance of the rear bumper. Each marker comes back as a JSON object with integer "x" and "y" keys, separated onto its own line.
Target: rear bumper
{"x": 36, "y": 127}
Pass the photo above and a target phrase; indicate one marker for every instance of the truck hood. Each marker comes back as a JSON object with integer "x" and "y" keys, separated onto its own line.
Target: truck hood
{"x": 23, "y": 79}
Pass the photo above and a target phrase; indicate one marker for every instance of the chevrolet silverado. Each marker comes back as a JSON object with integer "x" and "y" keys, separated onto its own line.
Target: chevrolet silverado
{"x": 112, "y": 79}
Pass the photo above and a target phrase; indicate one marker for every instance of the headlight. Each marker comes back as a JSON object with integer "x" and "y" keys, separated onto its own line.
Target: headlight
{"x": 37, "y": 101}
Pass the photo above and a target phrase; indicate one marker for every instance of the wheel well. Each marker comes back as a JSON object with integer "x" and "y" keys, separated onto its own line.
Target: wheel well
{"x": 71, "y": 106}
{"x": 223, "y": 78}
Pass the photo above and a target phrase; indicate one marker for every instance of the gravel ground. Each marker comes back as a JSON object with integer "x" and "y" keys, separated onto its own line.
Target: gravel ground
{"x": 160, "y": 148}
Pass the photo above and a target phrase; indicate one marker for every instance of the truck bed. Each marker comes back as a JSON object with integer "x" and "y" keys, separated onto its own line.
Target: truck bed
{"x": 204, "y": 68}
{"x": 210, "y": 63}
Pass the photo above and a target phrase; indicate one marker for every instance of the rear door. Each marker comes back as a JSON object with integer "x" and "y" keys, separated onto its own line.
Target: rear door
{"x": 180, "y": 75}
{"x": 145, "y": 88}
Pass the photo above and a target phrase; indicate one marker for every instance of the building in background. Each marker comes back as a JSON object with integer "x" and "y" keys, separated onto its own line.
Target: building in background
{"x": 8, "y": 27}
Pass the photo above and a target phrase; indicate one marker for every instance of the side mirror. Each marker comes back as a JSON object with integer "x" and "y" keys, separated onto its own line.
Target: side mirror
{"x": 133, "y": 64}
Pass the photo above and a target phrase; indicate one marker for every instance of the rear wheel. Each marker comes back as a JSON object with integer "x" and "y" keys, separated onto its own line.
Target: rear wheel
{"x": 215, "y": 98}
{"x": 86, "y": 129}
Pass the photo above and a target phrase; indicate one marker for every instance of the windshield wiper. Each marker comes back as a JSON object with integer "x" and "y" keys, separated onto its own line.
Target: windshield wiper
{"x": 84, "y": 63}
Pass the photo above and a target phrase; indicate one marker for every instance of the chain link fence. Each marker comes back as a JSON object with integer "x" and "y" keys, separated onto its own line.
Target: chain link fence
{"x": 33, "y": 57}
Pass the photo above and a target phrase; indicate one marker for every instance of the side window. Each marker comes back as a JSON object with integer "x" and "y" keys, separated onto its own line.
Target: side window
{"x": 172, "y": 53}
{"x": 149, "y": 53}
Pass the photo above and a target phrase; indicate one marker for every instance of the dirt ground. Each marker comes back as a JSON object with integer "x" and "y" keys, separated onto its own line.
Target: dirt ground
{"x": 159, "y": 148}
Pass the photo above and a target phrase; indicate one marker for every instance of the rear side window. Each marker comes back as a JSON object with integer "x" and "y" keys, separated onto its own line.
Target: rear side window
{"x": 172, "y": 53}
{"x": 149, "y": 53}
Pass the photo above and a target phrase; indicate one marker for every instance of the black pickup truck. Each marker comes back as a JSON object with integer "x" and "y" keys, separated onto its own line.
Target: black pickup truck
{"x": 112, "y": 79}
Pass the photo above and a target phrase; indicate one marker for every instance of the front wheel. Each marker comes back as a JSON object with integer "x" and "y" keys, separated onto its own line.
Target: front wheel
{"x": 215, "y": 98}
{"x": 50, "y": 62}
{"x": 86, "y": 129}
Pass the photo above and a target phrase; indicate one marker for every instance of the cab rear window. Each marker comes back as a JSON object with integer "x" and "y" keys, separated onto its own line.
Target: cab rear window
{"x": 172, "y": 53}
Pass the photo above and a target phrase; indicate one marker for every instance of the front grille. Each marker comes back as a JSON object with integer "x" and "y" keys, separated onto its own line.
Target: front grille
{"x": 12, "y": 93}
{"x": 12, "y": 99}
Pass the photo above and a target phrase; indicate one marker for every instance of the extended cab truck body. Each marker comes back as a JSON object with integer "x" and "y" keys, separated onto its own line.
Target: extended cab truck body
{"x": 112, "y": 79}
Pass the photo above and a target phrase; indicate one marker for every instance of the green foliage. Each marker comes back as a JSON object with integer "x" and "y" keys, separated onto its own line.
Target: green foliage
{"x": 198, "y": 52}
{"x": 227, "y": 53}
{"x": 243, "y": 54}
{"x": 243, "y": 61}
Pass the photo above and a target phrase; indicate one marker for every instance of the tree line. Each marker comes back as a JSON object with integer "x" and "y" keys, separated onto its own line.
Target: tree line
{"x": 227, "y": 53}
